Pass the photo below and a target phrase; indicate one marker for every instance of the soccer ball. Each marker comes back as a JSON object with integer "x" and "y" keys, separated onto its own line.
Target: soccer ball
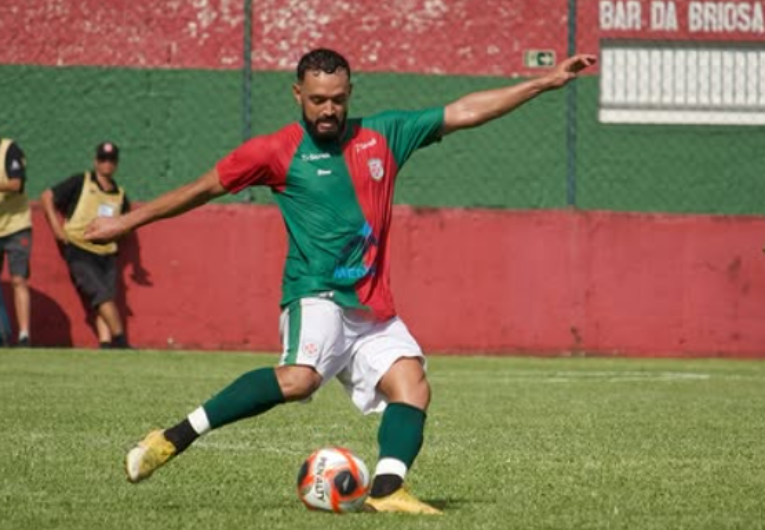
{"x": 333, "y": 479}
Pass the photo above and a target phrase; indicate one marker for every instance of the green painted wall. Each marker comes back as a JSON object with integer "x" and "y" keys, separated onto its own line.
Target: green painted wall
{"x": 679, "y": 168}
{"x": 170, "y": 124}
{"x": 174, "y": 124}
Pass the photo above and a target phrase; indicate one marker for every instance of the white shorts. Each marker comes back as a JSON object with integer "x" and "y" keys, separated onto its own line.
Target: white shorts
{"x": 343, "y": 342}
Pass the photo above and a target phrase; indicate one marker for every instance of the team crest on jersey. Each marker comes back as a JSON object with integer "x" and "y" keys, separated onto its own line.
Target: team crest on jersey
{"x": 376, "y": 168}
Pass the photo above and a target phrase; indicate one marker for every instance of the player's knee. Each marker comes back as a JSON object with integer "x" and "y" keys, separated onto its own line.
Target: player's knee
{"x": 297, "y": 382}
{"x": 18, "y": 281}
{"x": 406, "y": 383}
{"x": 416, "y": 395}
{"x": 419, "y": 394}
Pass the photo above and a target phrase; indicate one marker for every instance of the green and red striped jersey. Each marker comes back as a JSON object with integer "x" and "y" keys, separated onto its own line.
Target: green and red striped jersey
{"x": 336, "y": 201}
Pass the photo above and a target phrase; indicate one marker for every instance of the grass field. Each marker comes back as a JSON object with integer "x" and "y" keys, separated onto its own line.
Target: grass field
{"x": 511, "y": 443}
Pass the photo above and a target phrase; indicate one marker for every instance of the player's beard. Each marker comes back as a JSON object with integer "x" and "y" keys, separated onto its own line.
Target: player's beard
{"x": 329, "y": 136}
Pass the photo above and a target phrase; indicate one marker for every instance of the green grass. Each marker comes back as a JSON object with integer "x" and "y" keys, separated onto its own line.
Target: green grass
{"x": 511, "y": 443}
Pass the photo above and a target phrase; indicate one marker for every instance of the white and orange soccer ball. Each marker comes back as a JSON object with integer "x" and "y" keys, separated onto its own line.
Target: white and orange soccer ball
{"x": 333, "y": 479}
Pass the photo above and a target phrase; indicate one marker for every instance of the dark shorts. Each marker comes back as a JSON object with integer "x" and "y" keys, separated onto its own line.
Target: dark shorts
{"x": 95, "y": 276}
{"x": 18, "y": 246}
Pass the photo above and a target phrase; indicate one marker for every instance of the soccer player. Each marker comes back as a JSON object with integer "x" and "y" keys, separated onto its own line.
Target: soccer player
{"x": 333, "y": 179}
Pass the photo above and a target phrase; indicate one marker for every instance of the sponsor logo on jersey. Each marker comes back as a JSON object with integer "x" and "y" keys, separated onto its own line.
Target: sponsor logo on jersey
{"x": 323, "y": 172}
{"x": 310, "y": 157}
{"x": 376, "y": 169}
{"x": 353, "y": 273}
{"x": 366, "y": 145}
{"x": 362, "y": 244}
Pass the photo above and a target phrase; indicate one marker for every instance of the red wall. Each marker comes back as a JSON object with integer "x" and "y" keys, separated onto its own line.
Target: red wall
{"x": 487, "y": 37}
{"x": 474, "y": 281}
{"x": 420, "y": 36}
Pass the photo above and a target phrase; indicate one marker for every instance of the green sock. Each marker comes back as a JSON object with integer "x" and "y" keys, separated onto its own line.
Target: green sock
{"x": 251, "y": 394}
{"x": 401, "y": 432}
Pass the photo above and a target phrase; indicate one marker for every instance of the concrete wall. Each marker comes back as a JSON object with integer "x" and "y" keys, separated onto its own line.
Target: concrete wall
{"x": 465, "y": 281}
{"x": 422, "y": 36}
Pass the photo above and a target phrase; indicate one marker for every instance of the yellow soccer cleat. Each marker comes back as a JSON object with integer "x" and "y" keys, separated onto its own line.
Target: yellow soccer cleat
{"x": 150, "y": 454}
{"x": 400, "y": 501}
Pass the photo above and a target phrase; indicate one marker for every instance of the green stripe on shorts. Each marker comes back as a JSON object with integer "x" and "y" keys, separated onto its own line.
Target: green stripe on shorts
{"x": 294, "y": 322}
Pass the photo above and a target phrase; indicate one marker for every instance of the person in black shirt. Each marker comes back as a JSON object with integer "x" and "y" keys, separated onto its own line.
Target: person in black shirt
{"x": 93, "y": 267}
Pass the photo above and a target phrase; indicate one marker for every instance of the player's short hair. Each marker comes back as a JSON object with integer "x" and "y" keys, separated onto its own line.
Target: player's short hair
{"x": 322, "y": 60}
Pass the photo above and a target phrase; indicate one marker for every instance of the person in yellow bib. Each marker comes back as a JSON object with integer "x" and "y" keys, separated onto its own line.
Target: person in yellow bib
{"x": 93, "y": 267}
{"x": 15, "y": 232}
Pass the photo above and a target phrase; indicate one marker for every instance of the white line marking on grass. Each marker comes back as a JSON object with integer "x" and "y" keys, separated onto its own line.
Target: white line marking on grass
{"x": 245, "y": 447}
{"x": 577, "y": 377}
{"x": 626, "y": 377}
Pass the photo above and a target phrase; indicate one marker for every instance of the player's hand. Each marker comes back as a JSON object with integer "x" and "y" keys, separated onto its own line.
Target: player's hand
{"x": 105, "y": 230}
{"x": 579, "y": 62}
{"x": 569, "y": 69}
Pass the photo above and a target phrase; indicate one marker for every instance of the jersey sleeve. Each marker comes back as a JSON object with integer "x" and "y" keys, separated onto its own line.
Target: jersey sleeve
{"x": 66, "y": 193}
{"x": 250, "y": 164}
{"x": 15, "y": 163}
{"x": 407, "y": 131}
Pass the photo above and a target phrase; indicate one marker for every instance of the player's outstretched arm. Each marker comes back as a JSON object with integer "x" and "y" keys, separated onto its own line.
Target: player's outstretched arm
{"x": 478, "y": 108}
{"x": 172, "y": 203}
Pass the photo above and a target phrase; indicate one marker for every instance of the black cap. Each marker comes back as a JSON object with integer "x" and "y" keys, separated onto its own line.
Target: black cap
{"x": 107, "y": 151}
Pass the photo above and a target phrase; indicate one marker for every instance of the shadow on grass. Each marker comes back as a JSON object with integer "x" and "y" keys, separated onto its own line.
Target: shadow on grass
{"x": 454, "y": 504}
